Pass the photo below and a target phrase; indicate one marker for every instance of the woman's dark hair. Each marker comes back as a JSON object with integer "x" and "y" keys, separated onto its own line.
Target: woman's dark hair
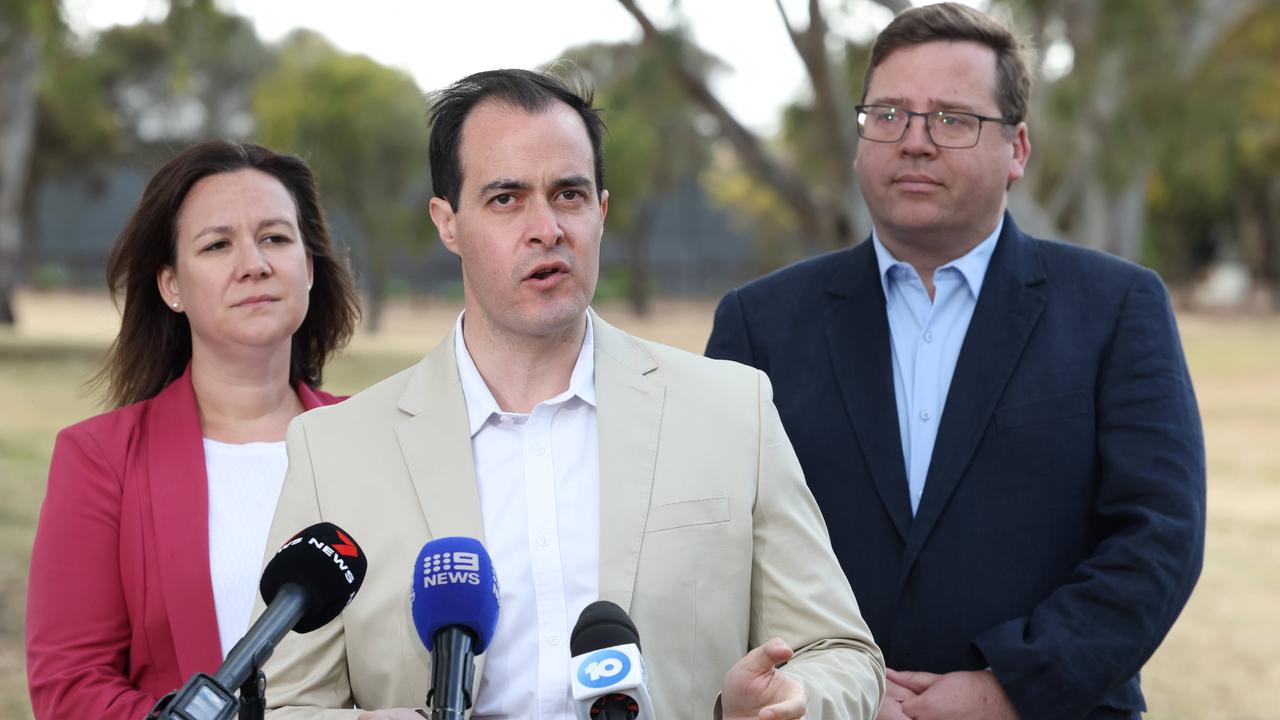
{"x": 154, "y": 344}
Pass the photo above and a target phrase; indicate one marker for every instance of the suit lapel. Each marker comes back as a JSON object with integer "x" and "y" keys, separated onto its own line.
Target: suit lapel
{"x": 179, "y": 494}
{"x": 1006, "y": 314}
{"x": 629, "y": 415}
{"x": 858, "y": 339}
{"x": 436, "y": 444}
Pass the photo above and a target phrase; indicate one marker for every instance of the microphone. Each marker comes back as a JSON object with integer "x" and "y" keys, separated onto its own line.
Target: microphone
{"x": 309, "y": 581}
{"x": 606, "y": 671}
{"x": 454, "y": 601}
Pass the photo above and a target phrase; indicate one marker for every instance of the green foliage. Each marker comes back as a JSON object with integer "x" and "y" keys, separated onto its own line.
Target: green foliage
{"x": 653, "y": 142}
{"x": 184, "y": 79}
{"x": 359, "y": 125}
{"x": 757, "y": 211}
{"x": 1223, "y": 140}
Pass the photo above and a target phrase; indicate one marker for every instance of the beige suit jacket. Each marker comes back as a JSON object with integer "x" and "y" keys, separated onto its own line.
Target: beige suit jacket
{"x": 709, "y": 537}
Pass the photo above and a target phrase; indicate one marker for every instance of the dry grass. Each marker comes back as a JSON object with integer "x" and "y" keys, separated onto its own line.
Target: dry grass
{"x": 1219, "y": 661}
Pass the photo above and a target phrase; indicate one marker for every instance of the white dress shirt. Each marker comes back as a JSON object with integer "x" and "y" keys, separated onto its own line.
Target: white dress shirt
{"x": 539, "y": 484}
{"x": 244, "y": 486}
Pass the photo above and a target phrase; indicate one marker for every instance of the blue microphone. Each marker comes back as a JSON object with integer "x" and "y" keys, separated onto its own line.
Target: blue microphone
{"x": 454, "y": 602}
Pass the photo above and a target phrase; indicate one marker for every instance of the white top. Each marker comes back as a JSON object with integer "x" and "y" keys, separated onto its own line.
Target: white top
{"x": 539, "y": 484}
{"x": 244, "y": 485}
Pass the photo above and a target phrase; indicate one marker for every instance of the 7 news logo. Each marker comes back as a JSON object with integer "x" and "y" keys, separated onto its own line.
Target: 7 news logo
{"x": 345, "y": 547}
{"x": 451, "y": 568}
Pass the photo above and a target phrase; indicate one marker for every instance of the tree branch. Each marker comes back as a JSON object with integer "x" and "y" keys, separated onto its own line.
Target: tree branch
{"x": 790, "y": 188}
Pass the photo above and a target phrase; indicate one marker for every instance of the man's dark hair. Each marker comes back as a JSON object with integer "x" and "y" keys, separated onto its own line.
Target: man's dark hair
{"x": 952, "y": 22}
{"x": 530, "y": 91}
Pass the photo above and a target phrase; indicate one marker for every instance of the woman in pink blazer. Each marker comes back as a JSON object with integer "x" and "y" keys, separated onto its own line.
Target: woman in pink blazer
{"x": 233, "y": 299}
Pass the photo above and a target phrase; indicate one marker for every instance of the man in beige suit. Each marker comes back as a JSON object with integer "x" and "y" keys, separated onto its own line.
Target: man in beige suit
{"x": 592, "y": 464}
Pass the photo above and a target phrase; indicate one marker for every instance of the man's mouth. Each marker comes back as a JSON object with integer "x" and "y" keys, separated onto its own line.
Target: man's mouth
{"x": 916, "y": 180}
{"x": 546, "y": 270}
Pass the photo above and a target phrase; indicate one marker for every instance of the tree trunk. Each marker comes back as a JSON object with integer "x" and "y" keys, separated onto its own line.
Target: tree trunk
{"x": 19, "y": 71}
{"x": 639, "y": 286}
{"x": 377, "y": 250}
{"x": 1128, "y": 214}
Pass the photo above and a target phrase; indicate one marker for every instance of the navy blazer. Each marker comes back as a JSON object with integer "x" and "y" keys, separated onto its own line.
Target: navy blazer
{"x": 1061, "y": 528}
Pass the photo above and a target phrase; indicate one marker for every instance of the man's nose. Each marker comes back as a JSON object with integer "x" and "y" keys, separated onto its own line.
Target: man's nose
{"x": 917, "y": 140}
{"x": 544, "y": 224}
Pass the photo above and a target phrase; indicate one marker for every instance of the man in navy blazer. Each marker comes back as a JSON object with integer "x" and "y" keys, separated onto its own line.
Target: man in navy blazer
{"x": 1000, "y": 430}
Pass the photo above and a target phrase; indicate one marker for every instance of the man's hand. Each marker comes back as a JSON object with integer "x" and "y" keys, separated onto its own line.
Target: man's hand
{"x": 894, "y": 696}
{"x": 392, "y": 714}
{"x": 753, "y": 689}
{"x": 954, "y": 696}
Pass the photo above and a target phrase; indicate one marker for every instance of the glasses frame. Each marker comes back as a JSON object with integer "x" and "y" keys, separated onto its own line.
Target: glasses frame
{"x": 928, "y": 125}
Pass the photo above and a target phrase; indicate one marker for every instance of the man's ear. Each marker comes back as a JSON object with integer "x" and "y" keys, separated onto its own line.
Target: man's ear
{"x": 445, "y": 220}
{"x": 1021, "y": 153}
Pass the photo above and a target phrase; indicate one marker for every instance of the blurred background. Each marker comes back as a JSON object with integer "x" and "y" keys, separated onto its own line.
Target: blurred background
{"x": 1155, "y": 131}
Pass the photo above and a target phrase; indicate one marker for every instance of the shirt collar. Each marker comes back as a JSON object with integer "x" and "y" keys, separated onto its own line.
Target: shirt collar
{"x": 972, "y": 266}
{"x": 481, "y": 404}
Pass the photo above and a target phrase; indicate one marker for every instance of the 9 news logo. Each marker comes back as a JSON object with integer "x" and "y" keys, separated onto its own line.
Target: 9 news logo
{"x": 603, "y": 668}
{"x": 451, "y": 568}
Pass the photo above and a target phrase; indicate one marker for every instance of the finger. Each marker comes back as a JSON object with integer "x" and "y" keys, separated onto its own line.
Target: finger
{"x": 789, "y": 709}
{"x": 918, "y": 706}
{"x": 891, "y": 710}
{"x": 897, "y": 692}
{"x": 914, "y": 681}
{"x": 763, "y": 659}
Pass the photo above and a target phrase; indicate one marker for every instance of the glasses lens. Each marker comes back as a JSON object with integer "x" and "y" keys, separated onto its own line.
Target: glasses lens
{"x": 953, "y": 129}
{"x": 879, "y": 123}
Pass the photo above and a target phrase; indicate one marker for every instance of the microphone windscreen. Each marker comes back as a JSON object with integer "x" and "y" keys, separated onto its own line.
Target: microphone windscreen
{"x": 454, "y": 584}
{"x": 602, "y": 624}
{"x": 326, "y": 562}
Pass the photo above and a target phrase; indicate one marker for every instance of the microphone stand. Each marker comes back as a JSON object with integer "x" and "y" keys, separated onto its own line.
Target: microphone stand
{"x": 253, "y": 695}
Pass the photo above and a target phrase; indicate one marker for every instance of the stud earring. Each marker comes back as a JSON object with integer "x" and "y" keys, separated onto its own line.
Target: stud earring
{"x": 175, "y": 306}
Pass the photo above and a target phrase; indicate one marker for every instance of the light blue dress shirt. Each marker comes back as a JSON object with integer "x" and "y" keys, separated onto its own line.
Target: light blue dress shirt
{"x": 926, "y": 337}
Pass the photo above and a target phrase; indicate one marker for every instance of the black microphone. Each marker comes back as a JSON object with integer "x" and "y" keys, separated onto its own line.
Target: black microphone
{"x": 309, "y": 581}
{"x": 606, "y": 672}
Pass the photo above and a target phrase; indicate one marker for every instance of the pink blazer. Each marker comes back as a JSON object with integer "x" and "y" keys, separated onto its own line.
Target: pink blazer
{"x": 120, "y": 604}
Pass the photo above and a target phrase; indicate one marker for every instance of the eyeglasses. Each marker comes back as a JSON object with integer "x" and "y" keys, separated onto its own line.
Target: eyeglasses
{"x": 945, "y": 128}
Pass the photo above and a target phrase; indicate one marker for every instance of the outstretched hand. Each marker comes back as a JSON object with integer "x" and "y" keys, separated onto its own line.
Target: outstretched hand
{"x": 754, "y": 689}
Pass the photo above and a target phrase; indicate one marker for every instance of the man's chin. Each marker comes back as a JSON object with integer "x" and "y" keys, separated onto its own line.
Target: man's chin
{"x": 555, "y": 319}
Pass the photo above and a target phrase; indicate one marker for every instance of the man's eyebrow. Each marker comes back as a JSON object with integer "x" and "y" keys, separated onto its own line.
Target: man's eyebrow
{"x": 572, "y": 181}
{"x": 932, "y": 104}
{"x": 504, "y": 184}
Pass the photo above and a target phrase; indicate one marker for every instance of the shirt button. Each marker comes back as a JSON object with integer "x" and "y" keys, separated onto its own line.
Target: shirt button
{"x": 543, "y": 541}
{"x": 928, "y": 337}
{"x": 539, "y": 450}
{"x": 925, "y": 415}
{"x": 553, "y": 640}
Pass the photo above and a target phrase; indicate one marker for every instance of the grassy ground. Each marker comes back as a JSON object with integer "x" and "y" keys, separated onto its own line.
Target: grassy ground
{"x": 1218, "y": 662}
